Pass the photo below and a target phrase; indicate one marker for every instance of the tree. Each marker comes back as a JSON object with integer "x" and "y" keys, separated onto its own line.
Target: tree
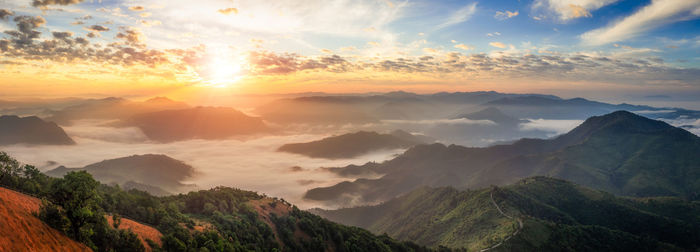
{"x": 77, "y": 194}
{"x": 9, "y": 169}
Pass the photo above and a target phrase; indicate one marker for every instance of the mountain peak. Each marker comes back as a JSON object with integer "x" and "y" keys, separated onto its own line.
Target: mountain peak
{"x": 617, "y": 122}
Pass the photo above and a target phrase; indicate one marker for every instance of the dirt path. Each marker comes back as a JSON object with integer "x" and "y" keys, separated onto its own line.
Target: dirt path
{"x": 520, "y": 226}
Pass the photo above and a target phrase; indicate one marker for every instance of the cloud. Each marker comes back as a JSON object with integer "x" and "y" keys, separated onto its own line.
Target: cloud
{"x": 503, "y": 15}
{"x": 131, "y": 36}
{"x": 62, "y": 35}
{"x": 97, "y": 28}
{"x": 266, "y": 63}
{"x": 556, "y": 127}
{"x": 459, "y": 16}
{"x": 39, "y": 3}
{"x": 4, "y": 14}
{"x": 658, "y": 13}
{"x": 498, "y": 44}
{"x": 26, "y": 30}
{"x": 228, "y": 11}
{"x": 430, "y": 50}
{"x": 493, "y": 34}
{"x": 464, "y": 47}
{"x": 259, "y": 167}
{"x": 137, "y": 8}
{"x": 566, "y": 10}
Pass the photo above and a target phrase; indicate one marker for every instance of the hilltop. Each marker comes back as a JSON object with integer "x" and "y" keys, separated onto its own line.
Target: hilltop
{"x": 156, "y": 173}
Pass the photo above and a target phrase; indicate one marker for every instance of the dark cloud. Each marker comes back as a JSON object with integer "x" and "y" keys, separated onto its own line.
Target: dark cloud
{"x": 273, "y": 63}
{"x": 39, "y": 3}
{"x": 26, "y": 30}
{"x": 4, "y": 14}
{"x": 97, "y": 28}
{"x": 131, "y": 36}
{"x": 62, "y": 35}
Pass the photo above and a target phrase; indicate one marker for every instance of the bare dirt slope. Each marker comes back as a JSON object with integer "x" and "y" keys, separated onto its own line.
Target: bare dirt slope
{"x": 20, "y": 230}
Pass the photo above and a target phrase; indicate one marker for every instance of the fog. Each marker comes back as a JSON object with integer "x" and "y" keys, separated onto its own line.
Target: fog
{"x": 247, "y": 164}
{"x": 553, "y": 127}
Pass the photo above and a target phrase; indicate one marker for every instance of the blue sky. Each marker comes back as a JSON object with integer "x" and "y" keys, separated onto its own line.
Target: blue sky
{"x": 652, "y": 44}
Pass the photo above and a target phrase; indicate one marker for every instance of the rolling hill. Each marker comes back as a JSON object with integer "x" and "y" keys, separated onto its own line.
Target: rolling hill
{"x": 156, "y": 174}
{"x": 620, "y": 152}
{"x": 534, "y": 214}
{"x": 31, "y": 130}
{"x": 353, "y": 144}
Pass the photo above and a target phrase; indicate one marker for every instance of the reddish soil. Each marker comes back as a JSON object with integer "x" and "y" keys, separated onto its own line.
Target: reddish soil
{"x": 143, "y": 231}
{"x": 264, "y": 210}
{"x": 20, "y": 230}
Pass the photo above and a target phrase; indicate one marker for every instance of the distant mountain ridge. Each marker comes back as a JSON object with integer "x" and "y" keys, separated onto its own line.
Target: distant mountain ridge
{"x": 620, "y": 152}
{"x": 195, "y": 123}
{"x": 353, "y": 144}
{"x": 111, "y": 108}
{"x": 31, "y": 130}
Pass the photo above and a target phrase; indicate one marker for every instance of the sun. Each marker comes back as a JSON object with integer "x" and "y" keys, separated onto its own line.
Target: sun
{"x": 223, "y": 69}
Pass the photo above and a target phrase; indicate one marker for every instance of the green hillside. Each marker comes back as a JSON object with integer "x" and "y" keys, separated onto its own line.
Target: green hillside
{"x": 555, "y": 215}
{"x": 620, "y": 152}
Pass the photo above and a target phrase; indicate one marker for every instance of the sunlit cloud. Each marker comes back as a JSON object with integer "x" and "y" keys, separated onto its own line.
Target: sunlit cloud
{"x": 658, "y": 13}
{"x": 566, "y": 10}
{"x": 498, "y": 44}
{"x": 503, "y": 15}
{"x": 459, "y": 16}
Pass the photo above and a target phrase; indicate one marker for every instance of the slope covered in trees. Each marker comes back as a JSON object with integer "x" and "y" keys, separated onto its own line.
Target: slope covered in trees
{"x": 555, "y": 215}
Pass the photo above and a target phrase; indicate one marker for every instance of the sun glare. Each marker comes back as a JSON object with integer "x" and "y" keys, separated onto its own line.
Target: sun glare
{"x": 223, "y": 69}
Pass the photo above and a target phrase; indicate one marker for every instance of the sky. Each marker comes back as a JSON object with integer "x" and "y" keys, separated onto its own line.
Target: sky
{"x": 599, "y": 48}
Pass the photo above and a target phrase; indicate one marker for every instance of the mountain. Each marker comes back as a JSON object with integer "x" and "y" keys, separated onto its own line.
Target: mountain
{"x": 353, "y": 144}
{"x": 620, "y": 152}
{"x": 31, "y": 130}
{"x": 21, "y": 230}
{"x": 534, "y": 214}
{"x": 195, "y": 123}
{"x": 111, "y": 108}
{"x": 157, "y": 174}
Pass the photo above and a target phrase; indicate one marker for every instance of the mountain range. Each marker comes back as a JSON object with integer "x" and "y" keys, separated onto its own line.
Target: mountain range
{"x": 620, "y": 152}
